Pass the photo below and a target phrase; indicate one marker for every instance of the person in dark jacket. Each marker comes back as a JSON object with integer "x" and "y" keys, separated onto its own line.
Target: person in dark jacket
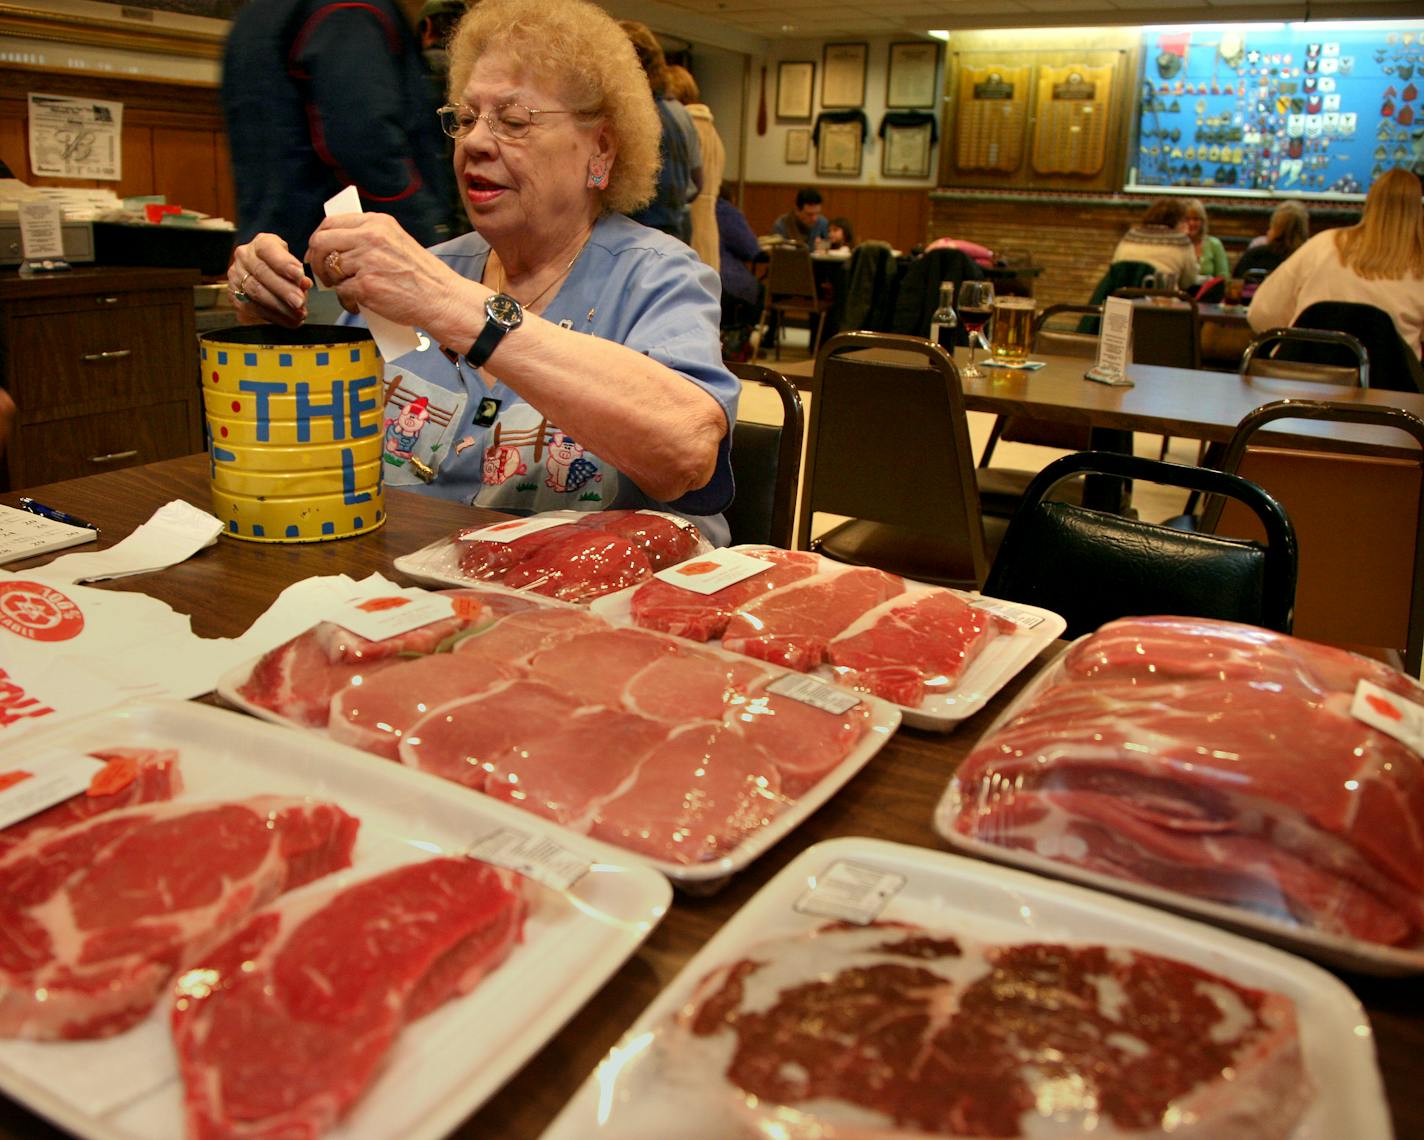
{"x": 741, "y": 291}
{"x": 320, "y": 95}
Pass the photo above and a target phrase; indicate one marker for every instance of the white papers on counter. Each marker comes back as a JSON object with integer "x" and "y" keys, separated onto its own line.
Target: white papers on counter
{"x": 176, "y": 532}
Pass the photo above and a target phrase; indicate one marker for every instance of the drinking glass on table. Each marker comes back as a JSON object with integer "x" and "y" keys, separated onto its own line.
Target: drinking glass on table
{"x": 976, "y": 305}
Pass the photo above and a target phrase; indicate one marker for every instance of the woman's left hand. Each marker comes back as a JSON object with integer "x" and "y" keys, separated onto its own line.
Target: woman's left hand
{"x": 374, "y": 264}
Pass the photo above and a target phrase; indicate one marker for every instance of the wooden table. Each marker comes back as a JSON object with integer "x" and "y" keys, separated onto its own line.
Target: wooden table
{"x": 225, "y": 587}
{"x": 1167, "y": 401}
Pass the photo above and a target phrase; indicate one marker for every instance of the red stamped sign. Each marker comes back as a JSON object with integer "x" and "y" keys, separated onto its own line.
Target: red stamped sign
{"x": 38, "y": 612}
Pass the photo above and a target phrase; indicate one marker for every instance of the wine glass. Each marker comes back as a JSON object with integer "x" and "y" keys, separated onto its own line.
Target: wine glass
{"x": 976, "y": 305}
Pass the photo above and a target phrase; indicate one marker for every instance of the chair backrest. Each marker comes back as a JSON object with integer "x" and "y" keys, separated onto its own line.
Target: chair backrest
{"x": 1092, "y": 567}
{"x": 766, "y": 465}
{"x": 790, "y": 273}
{"x": 1393, "y": 366}
{"x": 1166, "y": 329}
{"x": 1285, "y": 354}
{"x": 918, "y": 294}
{"x": 1066, "y": 340}
{"x": 1359, "y": 519}
{"x": 1121, "y": 275}
{"x": 888, "y": 441}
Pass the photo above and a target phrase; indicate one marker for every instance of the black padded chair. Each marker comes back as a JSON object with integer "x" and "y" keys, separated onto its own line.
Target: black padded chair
{"x": 1393, "y": 365}
{"x": 766, "y": 465}
{"x": 1092, "y": 567}
{"x": 1284, "y": 354}
{"x": 888, "y": 448}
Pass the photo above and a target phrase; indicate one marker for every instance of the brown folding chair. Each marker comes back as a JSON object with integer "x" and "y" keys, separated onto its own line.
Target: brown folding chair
{"x": 766, "y": 465}
{"x": 1285, "y": 354}
{"x": 791, "y": 292}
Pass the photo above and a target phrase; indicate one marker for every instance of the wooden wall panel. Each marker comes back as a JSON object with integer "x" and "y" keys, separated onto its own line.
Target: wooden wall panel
{"x": 886, "y": 213}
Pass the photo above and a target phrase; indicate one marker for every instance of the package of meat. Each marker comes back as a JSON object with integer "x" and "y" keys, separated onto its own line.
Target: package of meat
{"x": 447, "y": 997}
{"x": 872, "y": 989}
{"x": 1248, "y": 777}
{"x": 573, "y": 556}
{"x": 938, "y": 654}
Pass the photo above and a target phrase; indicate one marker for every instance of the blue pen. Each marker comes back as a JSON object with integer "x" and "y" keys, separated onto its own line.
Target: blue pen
{"x": 28, "y": 504}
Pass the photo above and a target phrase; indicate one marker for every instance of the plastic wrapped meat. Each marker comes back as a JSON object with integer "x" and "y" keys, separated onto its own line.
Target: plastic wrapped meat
{"x": 281, "y": 1029}
{"x": 579, "y": 566}
{"x": 887, "y": 1030}
{"x": 913, "y": 645}
{"x": 1218, "y": 761}
{"x": 663, "y": 538}
{"x": 669, "y": 608}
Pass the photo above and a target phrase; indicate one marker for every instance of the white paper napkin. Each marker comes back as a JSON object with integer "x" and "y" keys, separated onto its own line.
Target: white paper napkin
{"x": 392, "y": 338}
{"x": 177, "y": 531}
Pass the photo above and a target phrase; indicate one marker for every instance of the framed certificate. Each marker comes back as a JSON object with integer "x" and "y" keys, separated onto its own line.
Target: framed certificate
{"x": 795, "y": 85}
{"x": 907, "y": 152}
{"x": 843, "y": 75}
{"x": 910, "y": 78}
{"x": 839, "y": 149}
{"x": 798, "y": 145}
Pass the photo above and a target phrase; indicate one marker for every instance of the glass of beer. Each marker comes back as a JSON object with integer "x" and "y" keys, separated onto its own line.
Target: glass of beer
{"x": 1233, "y": 290}
{"x": 1013, "y": 329}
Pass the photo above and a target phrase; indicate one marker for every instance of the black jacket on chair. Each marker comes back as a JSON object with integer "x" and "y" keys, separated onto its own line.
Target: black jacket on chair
{"x": 918, "y": 298}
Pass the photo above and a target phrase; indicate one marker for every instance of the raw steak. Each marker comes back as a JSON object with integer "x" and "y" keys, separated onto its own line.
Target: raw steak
{"x": 805, "y": 742}
{"x": 488, "y": 560}
{"x": 671, "y": 609}
{"x": 665, "y": 539}
{"x": 889, "y": 1029}
{"x": 793, "y": 626}
{"x": 148, "y": 775}
{"x": 298, "y": 679}
{"x": 375, "y": 713}
{"x": 690, "y": 687}
{"x": 564, "y": 774}
{"x": 914, "y": 645}
{"x": 461, "y": 739}
{"x": 281, "y": 1029}
{"x": 580, "y": 566}
{"x": 596, "y": 667}
{"x": 1217, "y": 761}
{"x": 697, "y": 796}
{"x": 519, "y": 636}
{"x": 96, "y": 918}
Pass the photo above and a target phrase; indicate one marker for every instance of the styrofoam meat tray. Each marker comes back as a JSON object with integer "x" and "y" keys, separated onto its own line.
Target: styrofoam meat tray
{"x": 951, "y": 894}
{"x": 1000, "y": 662}
{"x": 1332, "y": 949}
{"x": 444, "y": 1066}
{"x": 883, "y": 720}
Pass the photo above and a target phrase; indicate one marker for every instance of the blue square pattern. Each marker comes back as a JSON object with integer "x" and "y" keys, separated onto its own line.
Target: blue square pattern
{"x": 284, "y": 360}
{"x": 293, "y": 532}
{"x": 323, "y": 359}
{"x": 355, "y": 355}
{"x": 249, "y": 359}
{"x": 222, "y": 356}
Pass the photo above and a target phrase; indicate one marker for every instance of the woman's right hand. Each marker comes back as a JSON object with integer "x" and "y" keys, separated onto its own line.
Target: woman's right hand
{"x": 267, "y": 283}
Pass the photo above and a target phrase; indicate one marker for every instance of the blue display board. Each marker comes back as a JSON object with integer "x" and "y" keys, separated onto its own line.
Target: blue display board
{"x": 1302, "y": 110}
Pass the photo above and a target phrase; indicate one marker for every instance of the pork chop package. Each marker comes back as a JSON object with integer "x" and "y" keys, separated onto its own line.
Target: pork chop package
{"x": 574, "y": 556}
{"x": 1254, "y": 778}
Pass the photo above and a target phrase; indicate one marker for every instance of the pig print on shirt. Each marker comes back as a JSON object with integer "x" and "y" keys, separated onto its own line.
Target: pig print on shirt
{"x": 568, "y": 469}
{"x": 403, "y": 429}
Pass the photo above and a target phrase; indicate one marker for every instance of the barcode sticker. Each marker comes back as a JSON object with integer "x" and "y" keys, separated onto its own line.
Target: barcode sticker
{"x": 1024, "y": 619}
{"x": 1391, "y": 714}
{"x": 29, "y": 786}
{"x": 533, "y": 856}
{"x": 515, "y": 528}
{"x": 714, "y": 571}
{"x": 810, "y": 691}
{"x": 377, "y": 619}
{"x": 850, "y": 892}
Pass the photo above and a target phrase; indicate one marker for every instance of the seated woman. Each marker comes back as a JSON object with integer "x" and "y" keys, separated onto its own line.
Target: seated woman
{"x": 573, "y": 352}
{"x": 1289, "y": 228}
{"x": 842, "y": 234}
{"x": 1211, "y": 254}
{"x": 1378, "y": 262}
{"x": 1160, "y": 239}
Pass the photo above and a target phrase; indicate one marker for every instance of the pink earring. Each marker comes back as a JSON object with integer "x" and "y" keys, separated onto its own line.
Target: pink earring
{"x": 597, "y": 172}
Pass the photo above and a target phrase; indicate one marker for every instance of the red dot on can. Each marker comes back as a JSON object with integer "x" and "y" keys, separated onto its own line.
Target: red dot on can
{"x": 237, "y": 405}
{"x": 215, "y": 377}
{"x": 224, "y": 433}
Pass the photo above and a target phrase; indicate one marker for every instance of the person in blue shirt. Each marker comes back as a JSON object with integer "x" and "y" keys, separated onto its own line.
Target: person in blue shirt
{"x": 569, "y": 356}
{"x": 741, "y": 291}
{"x": 806, "y": 224}
{"x": 680, "y": 176}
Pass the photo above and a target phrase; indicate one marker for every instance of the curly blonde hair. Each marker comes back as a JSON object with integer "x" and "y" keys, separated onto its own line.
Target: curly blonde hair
{"x": 578, "y": 49}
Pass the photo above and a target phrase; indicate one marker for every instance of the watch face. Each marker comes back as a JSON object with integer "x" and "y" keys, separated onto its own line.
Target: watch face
{"x": 504, "y": 310}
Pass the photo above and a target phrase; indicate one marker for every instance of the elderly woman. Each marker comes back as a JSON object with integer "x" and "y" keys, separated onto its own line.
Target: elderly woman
{"x": 1160, "y": 239}
{"x": 1211, "y": 254}
{"x": 571, "y": 356}
{"x": 1378, "y": 262}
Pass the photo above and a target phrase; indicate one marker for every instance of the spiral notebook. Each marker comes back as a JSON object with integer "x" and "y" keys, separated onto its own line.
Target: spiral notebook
{"x": 27, "y": 535}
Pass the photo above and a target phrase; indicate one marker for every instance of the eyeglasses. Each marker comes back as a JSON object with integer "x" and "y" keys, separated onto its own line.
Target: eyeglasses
{"x": 507, "y": 121}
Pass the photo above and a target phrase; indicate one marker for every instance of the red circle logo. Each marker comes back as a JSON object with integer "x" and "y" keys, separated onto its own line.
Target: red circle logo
{"x": 38, "y": 612}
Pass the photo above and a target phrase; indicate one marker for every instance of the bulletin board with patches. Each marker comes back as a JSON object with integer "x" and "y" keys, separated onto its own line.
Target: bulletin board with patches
{"x": 1071, "y": 121}
{"x": 1318, "y": 110}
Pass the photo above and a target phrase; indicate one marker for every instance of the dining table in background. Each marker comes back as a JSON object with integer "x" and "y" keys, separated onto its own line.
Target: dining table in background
{"x": 225, "y": 587}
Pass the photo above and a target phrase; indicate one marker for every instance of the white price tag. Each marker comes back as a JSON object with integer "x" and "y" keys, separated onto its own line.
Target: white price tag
{"x": 714, "y": 571}
{"x": 376, "y": 619}
{"x": 533, "y": 856}
{"x": 515, "y": 528}
{"x": 850, "y": 892}
{"x": 1022, "y": 618}
{"x": 30, "y": 785}
{"x": 1391, "y": 714}
{"x": 810, "y": 691}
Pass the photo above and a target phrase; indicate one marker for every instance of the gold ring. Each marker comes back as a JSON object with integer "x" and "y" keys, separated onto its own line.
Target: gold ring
{"x": 242, "y": 285}
{"x": 333, "y": 265}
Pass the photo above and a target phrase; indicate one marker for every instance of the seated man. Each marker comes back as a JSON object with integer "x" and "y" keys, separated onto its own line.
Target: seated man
{"x": 741, "y": 291}
{"x": 806, "y": 223}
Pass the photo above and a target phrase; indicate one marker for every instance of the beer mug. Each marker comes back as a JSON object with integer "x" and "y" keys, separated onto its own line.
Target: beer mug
{"x": 1234, "y": 290}
{"x": 1166, "y": 282}
{"x": 1013, "y": 329}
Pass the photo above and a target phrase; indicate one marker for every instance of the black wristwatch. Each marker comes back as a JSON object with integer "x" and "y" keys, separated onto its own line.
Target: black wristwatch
{"x": 502, "y": 314}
